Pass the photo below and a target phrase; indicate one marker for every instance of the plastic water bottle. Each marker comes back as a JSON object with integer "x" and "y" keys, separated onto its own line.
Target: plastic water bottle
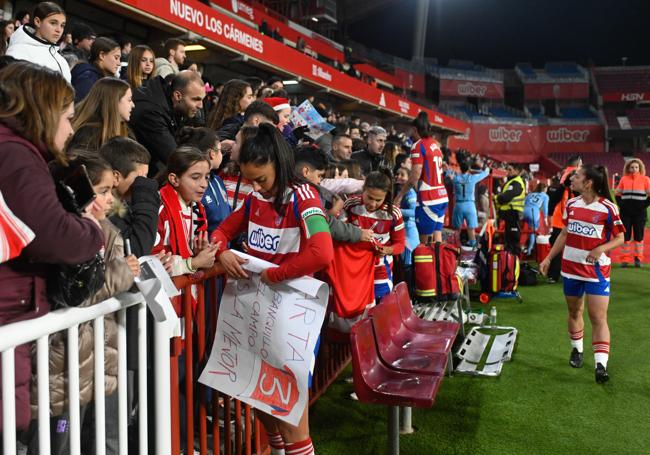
{"x": 493, "y": 317}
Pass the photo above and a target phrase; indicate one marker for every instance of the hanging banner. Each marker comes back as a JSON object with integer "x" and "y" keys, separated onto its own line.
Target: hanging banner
{"x": 617, "y": 97}
{"x": 455, "y": 88}
{"x": 265, "y": 343}
{"x": 518, "y": 142}
{"x": 562, "y": 91}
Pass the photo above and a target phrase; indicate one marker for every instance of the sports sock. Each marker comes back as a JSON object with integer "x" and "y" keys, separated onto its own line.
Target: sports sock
{"x": 277, "y": 443}
{"x": 601, "y": 352}
{"x": 576, "y": 339}
{"x": 300, "y": 448}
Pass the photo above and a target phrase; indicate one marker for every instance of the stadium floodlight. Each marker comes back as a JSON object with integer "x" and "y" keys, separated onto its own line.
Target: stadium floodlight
{"x": 315, "y": 19}
{"x": 291, "y": 82}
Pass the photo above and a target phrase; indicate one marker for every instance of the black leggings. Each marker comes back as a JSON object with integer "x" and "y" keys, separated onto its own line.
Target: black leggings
{"x": 634, "y": 221}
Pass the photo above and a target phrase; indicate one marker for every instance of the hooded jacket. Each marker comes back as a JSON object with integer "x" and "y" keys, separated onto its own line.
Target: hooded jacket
{"x": 25, "y": 45}
{"x": 84, "y": 76}
{"x": 165, "y": 68}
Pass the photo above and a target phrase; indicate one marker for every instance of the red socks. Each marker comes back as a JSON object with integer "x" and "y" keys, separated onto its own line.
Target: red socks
{"x": 300, "y": 448}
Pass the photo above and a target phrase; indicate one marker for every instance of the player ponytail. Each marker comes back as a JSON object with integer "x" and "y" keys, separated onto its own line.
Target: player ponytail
{"x": 266, "y": 145}
{"x": 600, "y": 181}
{"x": 422, "y": 125}
{"x": 382, "y": 180}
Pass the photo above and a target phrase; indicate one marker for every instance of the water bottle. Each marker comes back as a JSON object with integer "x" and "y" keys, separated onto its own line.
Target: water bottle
{"x": 493, "y": 317}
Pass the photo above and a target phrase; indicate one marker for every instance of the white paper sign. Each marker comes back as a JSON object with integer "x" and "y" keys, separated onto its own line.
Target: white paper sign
{"x": 307, "y": 115}
{"x": 265, "y": 341}
{"x": 157, "y": 287}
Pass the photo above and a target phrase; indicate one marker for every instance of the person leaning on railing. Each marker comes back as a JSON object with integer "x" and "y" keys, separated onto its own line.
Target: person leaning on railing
{"x": 36, "y": 106}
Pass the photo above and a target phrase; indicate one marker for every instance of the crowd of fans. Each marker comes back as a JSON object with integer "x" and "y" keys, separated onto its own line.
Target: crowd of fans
{"x": 181, "y": 168}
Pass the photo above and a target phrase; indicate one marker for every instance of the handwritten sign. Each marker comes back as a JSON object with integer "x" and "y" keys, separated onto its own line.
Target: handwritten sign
{"x": 264, "y": 345}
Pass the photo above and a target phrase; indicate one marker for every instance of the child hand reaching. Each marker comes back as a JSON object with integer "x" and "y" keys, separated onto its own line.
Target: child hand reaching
{"x": 133, "y": 264}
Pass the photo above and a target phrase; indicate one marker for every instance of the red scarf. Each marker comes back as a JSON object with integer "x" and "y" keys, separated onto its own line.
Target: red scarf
{"x": 179, "y": 244}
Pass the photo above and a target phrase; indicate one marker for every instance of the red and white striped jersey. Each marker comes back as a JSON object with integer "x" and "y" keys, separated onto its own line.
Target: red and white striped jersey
{"x": 388, "y": 230}
{"x": 431, "y": 187}
{"x": 230, "y": 182}
{"x": 588, "y": 226}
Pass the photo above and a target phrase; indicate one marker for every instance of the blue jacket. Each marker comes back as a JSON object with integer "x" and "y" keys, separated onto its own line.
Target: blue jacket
{"x": 408, "y": 213}
{"x": 84, "y": 76}
{"x": 215, "y": 201}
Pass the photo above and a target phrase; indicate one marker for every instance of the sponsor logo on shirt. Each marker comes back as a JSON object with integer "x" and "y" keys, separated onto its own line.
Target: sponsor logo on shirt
{"x": 576, "y": 227}
{"x": 269, "y": 240}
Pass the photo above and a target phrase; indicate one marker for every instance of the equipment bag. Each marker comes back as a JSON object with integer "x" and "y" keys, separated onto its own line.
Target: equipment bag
{"x": 505, "y": 270}
{"x": 435, "y": 272}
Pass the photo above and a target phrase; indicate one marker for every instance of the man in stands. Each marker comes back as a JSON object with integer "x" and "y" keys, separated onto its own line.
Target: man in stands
{"x": 83, "y": 38}
{"x": 341, "y": 148}
{"x": 510, "y": 204}
{"x": 175, "y": 52}
{"x": 371, "y": 158}
{"x": 160, "y": 109}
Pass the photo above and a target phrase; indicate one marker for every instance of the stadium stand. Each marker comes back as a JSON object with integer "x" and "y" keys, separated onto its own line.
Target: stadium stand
{"x": 622, "y": 80}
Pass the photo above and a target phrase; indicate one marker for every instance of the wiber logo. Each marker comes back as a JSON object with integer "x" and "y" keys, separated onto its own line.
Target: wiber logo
{"x": 469, "y": 89}
{"x": 567, "y": 135}
{"x": 503, "y": 134}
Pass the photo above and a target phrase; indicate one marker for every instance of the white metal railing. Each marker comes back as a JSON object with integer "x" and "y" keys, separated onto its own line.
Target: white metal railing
{"x": 69, "y": 319}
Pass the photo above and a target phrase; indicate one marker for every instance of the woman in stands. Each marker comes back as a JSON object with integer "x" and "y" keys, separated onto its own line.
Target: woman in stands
{"x": 286, "y": 206}
{"x": 105, "y": 55}
{"x": 427, "y": 179}
{"x": 102, "y": 115}
{"x": 6, "y": 30}
{"x": 375, "y": 210}
{"x": 592, "y": 227}
{"x": 235, "y": 97}
{"x": 36, "y": 107}
{"x": 37, "y": 42}
{"x": 142, "y": 65}
{"x": 632, "y": 196}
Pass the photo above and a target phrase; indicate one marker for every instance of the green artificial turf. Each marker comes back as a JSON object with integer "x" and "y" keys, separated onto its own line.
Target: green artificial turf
{"x": 539, "y": 404}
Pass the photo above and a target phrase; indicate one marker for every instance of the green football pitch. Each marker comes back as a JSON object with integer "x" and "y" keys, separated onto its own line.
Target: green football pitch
{"x": 539, "y": 404}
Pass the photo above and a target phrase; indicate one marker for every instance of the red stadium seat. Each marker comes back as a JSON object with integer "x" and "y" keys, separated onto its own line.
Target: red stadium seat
{"x": 415, "y": 323}
{"x": 374, "y": 382}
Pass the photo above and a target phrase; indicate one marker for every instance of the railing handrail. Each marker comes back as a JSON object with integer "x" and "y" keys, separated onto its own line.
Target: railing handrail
{"x": 17, "y": 333}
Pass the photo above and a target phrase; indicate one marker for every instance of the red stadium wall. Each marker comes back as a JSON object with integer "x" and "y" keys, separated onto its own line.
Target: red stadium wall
{"x": 524, "y": 143}
{"x": 549, "y": 91}
{"x": 454, "y": 88}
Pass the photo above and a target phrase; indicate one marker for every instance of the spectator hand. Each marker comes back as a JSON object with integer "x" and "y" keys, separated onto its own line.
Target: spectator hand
{"x": 166, "y": 260}
{"x": 201, "y": 242}
{"x": 232, "y": 263}
{"x": 133, "y": 264}
{"x": 206, "y": 257}
{"x": 337, "y": 206}
{"x": 366, "y": 235}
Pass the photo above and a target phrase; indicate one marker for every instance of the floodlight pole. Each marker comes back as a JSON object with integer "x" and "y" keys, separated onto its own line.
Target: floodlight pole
{"x": 420, "y": 29}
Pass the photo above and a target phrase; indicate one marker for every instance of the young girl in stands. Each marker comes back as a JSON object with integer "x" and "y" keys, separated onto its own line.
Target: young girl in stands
{"x": 142, "y": 65}
{"x": 37, "y": 42}
{"x": 215, "y": 199}
{"x": 374, "y": 210}
{"x": 105, "y": 55}
{"x": 235, "y": 97}
{"x": 427, "y": 179}
{"x": 102, "y": 115}
{"x": 119, "y": 275}
{"x": 535, "y": 202}
{"x": 304, "y": 244}
{"x": 182, "y": 226}
{"x": 592, "y": 227}
{"x": 409, "y": 201}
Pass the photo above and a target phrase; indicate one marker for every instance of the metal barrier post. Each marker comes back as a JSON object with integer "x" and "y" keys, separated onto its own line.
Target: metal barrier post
{"x": 8, "y": 401}
{"x": 163, "y": 389}
{"x": 406, "y": 426}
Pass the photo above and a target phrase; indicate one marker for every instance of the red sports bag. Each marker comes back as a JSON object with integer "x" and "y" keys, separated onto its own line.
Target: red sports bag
{"x": 435, "y": 271}
{"x": 505, "y": 270}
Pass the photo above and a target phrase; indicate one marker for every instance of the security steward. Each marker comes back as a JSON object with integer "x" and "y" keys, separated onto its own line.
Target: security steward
{"x": 510, "y": 206}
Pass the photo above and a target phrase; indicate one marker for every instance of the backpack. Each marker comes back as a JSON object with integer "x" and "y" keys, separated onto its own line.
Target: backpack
{"x": 435, "y": 272}
{"x": 504, "y": 274}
